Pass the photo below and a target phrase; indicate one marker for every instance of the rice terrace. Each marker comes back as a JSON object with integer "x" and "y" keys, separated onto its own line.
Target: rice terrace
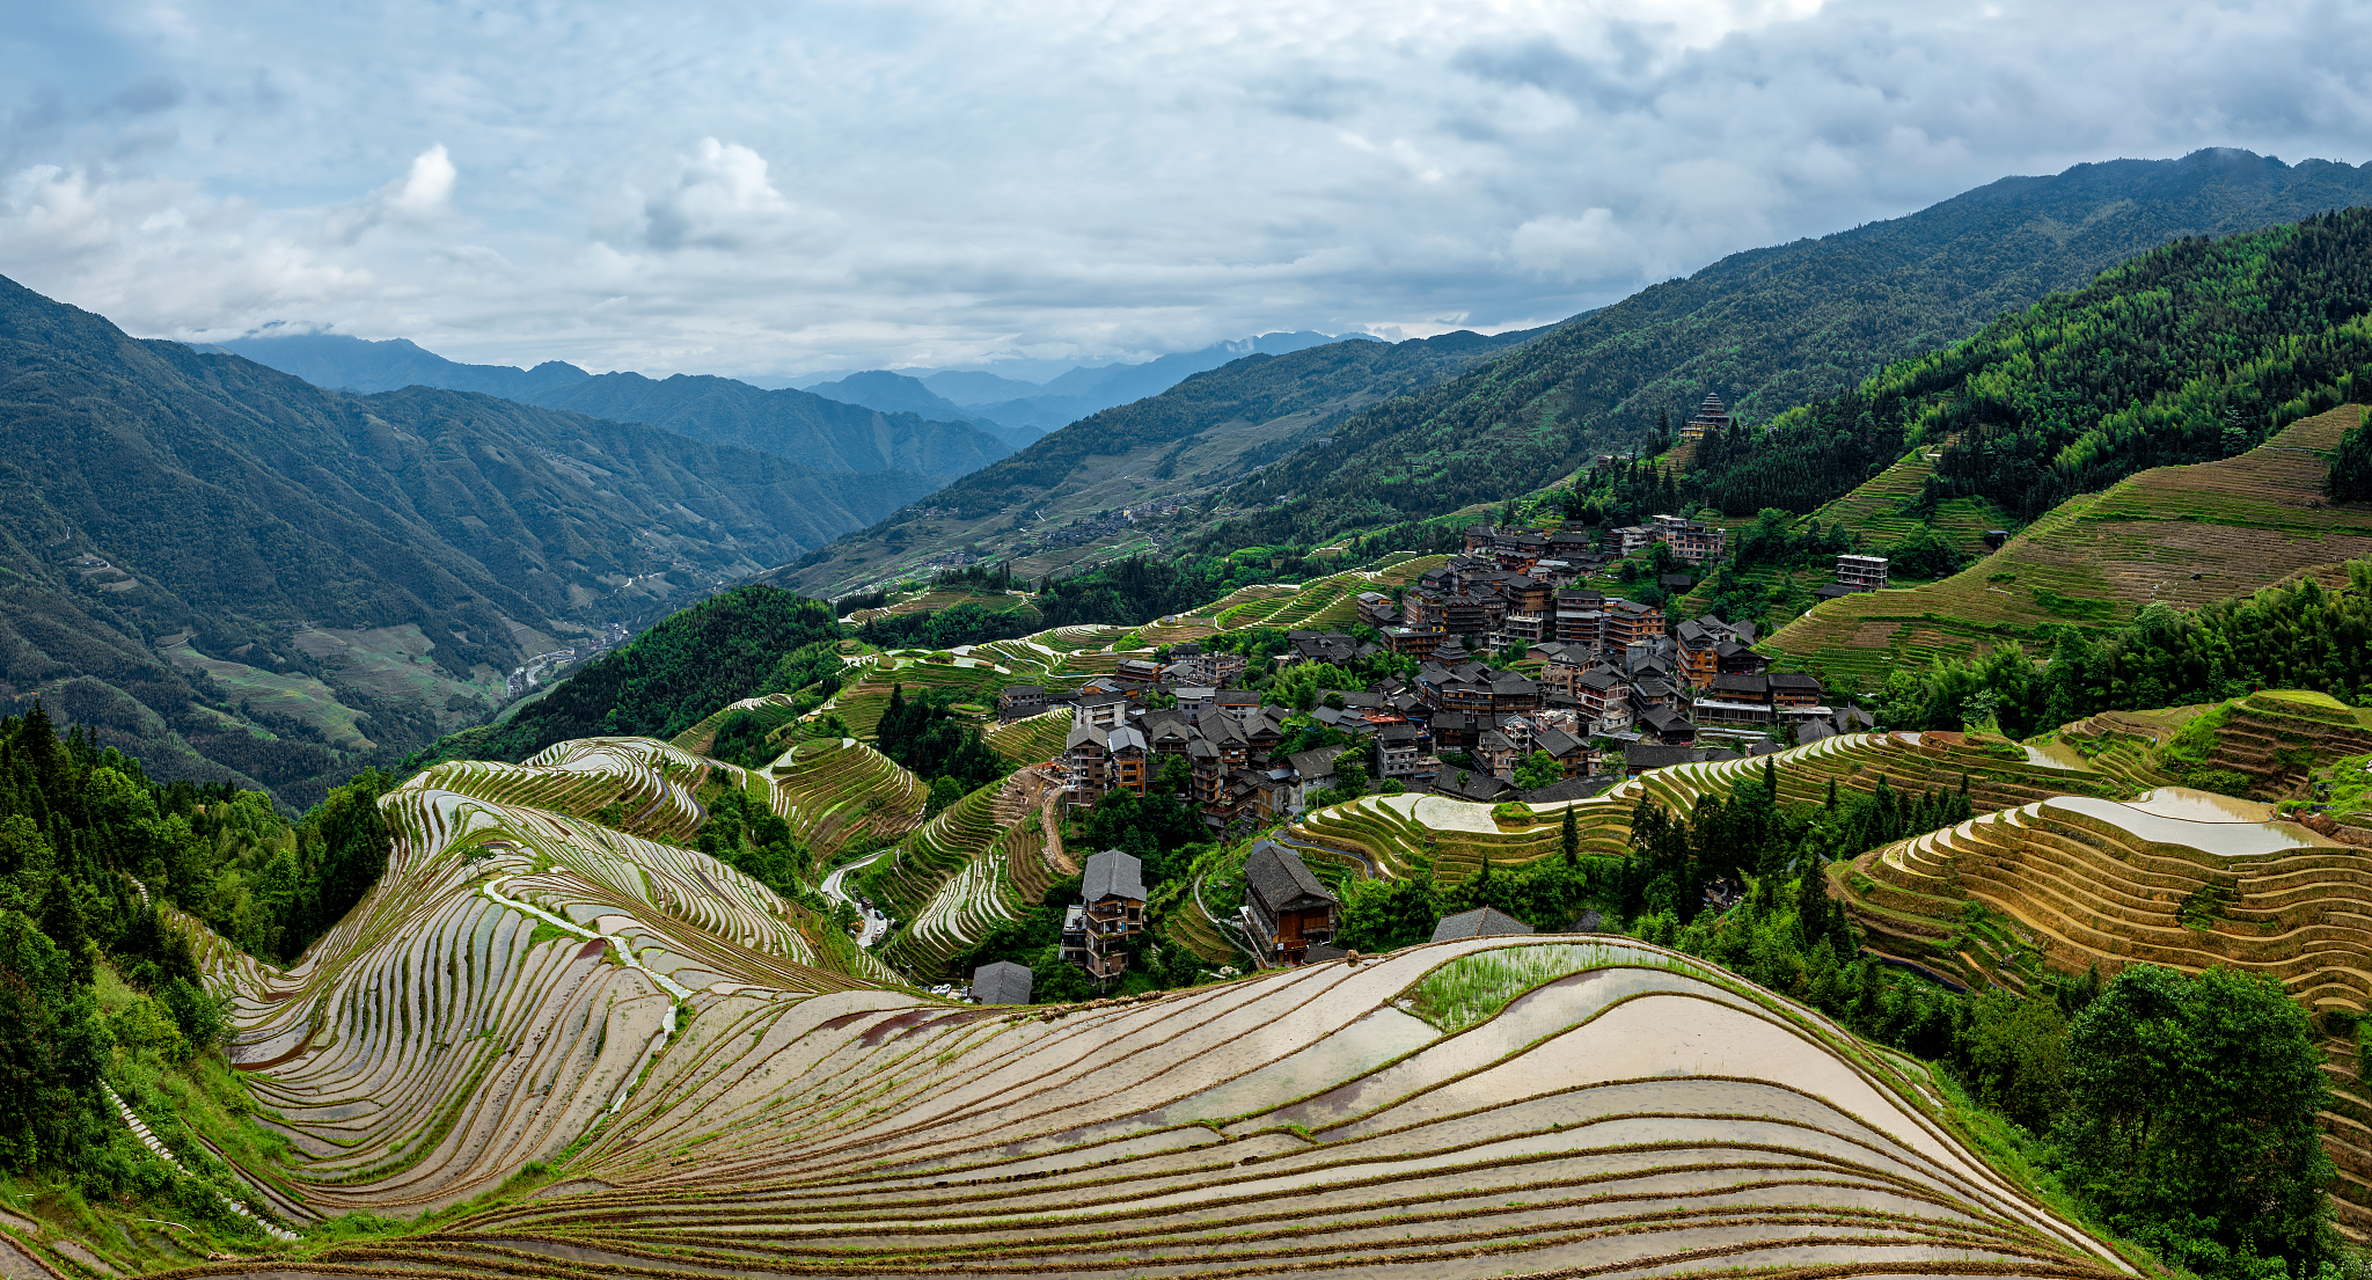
{"x": 666, "y": 1055}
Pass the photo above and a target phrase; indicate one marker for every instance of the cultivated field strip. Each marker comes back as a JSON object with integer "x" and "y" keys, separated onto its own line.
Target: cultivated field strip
{"x": 1478, "y": 1108}
{"x": 2274, "y": 739}
{"x": 832, "y": 792}
{"x": 501, "y": 988}
{"x": 1033, "y": 739}
{"x": 952, "y": 878}
{"x": 1033, "y": 849}
{"x": 774, "y": 710}
{"x": 2109, "y": 883}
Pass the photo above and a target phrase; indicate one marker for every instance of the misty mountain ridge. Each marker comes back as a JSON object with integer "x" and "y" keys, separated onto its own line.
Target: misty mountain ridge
{"x": 811, "y": 430}
{"x": 1060, "y": 400}
{"x": 896, "y": 393}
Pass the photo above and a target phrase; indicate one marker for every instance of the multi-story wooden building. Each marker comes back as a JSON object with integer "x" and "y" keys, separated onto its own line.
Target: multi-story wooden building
{"x": 1111, "y": 910}
{"x": 1105, "y": 760}
{"x": 1286, "y": 908}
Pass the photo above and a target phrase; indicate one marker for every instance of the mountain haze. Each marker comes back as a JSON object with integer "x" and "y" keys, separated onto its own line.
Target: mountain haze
{"x": 811, "y": 430}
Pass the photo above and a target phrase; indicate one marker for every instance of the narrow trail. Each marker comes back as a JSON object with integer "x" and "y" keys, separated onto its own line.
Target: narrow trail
{"x": 164, "y": 1153}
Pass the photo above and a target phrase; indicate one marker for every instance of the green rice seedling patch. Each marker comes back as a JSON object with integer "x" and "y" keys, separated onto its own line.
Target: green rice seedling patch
{"x": 1473, "y": 988}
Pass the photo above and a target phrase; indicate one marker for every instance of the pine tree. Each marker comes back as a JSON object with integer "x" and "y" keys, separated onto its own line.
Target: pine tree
{"x": 2350, "y": 478}
{"x": 1570, "y": 838}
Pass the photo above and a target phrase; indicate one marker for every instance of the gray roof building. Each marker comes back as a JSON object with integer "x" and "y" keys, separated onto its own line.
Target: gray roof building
{"x": 1003, "y": 982}
{"x": 1581, "y": 788}
{"x": 1315, "y": 764}
{"x": 1277, "y": 874}
{"x": 1481, "y": 922}
{"x": 1113, "y": 874}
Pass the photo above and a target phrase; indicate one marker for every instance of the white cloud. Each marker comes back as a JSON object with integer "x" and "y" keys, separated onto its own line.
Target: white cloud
{"x": 1586, "y": 247}
{"x": 837, "y": 183}
{"x": 426, "y": 189}
{"x": 721, "y": 200}
{"x": 419, "y": 197}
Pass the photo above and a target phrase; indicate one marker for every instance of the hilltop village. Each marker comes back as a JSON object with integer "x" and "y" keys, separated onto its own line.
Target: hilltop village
{"x": 1497, "y": 675}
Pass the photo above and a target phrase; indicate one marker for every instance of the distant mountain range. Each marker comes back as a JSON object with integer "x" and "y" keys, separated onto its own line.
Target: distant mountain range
{"x": 1036, "y": 408}
{"x": 1068, "y": 496}
{"x": 931, "y": 427}
{"x": 236, "y": 574}
{"x": 812, "y": 430}
{"x": 1769, "y": 329}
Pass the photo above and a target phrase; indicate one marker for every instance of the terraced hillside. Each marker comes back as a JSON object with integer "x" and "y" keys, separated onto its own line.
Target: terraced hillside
{"x": 1465, "y": 1109}
{"x": 2026, "y": 896}
{"x": 2266, "y": 746}
{"x": 2182, "y": 535}
{"x": 837, "y": 791}
{"x": 1879, "y": 510}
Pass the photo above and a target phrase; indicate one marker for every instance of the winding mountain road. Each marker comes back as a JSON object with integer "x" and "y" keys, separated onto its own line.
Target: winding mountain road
{"x": 876, "y": 924}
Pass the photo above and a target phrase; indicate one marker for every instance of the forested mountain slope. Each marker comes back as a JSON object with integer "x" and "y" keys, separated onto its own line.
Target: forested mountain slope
{"x": 2187, "y": 354}
{"x": 1051, "y": 504}
{"x": 1768, "y": 329}
{"x": 820, "y": 433}
{"x": 237, "y": 574}
{"x": 826, "y": 434}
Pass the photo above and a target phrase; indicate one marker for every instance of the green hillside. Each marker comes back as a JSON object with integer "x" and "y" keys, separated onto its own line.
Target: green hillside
{"x": 1770, "y": 330}
{"x": 2183, "y": 536}
{"x": 239, "y": 576}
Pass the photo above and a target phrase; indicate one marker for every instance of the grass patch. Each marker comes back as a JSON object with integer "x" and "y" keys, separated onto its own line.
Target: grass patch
{"x": 2078, "y": 607}
{"x": 1473, "y": 988}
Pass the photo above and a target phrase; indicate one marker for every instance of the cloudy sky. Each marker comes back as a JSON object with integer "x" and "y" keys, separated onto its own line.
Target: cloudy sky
{"x": 778, "y": 187}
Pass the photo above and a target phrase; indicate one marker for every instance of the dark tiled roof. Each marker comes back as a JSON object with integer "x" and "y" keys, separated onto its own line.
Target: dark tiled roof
{"x": 1556, "y": 742}
{"x": 1113, "y": 874}
{"x": 1002, "y": 983}
{"x": 1276, "y": 873}
{"x": 1319, "y": 953}
{"x": 1571, "y": 789}
{"x": 1315, "y": 764}
{"x": 1478, "y": 786}
{"x": 1639, "y": 755}
{"x": 1481, "y": 922}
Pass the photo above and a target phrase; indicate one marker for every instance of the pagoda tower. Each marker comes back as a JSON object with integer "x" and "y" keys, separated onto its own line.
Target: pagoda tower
{"x": 1711, "y": 417}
